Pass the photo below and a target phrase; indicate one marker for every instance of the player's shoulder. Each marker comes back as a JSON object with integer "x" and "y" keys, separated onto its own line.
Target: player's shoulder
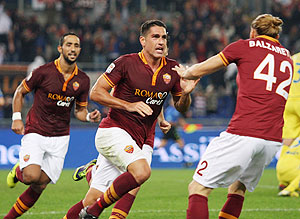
{"x": 82, "y": 74}
{"x": 241, "y": 42}
{"x": 44, "y": 69}
{"x": 127, "y": 57}
{"x": 171, "y": 62}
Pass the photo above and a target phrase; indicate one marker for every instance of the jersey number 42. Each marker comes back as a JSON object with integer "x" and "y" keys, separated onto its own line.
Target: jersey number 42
{"x": 269, "y": 61}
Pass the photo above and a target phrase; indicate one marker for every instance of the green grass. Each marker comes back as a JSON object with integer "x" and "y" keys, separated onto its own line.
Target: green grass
{"x": 163, "y": 196}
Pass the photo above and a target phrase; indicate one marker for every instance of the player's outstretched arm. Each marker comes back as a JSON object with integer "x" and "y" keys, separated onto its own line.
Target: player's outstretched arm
{"x": 17, "y": 124}
{"x": 198, "y": 70}
{"x": 100, "y": 94}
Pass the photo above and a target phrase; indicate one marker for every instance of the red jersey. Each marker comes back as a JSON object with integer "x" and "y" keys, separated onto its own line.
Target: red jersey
{"x": 133, "y": 80}
{"x": 54, "y": 98}
{"x": 265, "y": 71}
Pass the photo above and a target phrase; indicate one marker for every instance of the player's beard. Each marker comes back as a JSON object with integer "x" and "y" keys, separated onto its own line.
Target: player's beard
{"x": 66, "y": 58}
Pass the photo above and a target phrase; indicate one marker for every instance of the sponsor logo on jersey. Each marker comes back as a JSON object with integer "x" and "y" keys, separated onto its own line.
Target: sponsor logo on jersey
{"x": 167, "y": 78}
{"x": 110, "y": 68}
{"x": 129, "y": 149}
{"x": 61, "y": 99}
{"x": 26, "y": 157}
{"x": 153, "y": 97}
{"x": 75, "y": 85}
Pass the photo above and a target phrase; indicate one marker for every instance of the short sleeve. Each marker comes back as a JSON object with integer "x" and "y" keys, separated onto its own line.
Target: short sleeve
{"x": 82, "y": 99}
{"x": 33, "y": 80}
{"x": 232, "y": 52}
{"x": 115, "y": 71}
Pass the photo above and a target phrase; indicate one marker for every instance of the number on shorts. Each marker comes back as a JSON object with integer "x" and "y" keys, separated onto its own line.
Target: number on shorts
{"x": 204, "y": 164}
{"x": 269, "y": 61}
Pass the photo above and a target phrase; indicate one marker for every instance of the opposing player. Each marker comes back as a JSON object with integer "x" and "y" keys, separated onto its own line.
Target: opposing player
{"x": 142, "y": 82}
{"x": 237, "y": 158}
{"x": 57, "y": 86}
{"x": 287, "y": 168}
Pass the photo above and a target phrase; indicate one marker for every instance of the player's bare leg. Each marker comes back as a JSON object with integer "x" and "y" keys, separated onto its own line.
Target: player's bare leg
{"x": 37, "y": 181}
{"x": 138, "y": 172}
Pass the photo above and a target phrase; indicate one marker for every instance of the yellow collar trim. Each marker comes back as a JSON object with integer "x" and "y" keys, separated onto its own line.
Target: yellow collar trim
{"x": 268, "y": 38}
{"x": 75, "y": 72}
{"x": 162, "y": 64}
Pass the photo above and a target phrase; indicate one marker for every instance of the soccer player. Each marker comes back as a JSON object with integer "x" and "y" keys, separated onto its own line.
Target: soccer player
{"x": 57, "y": 86}
{"x": 287, "y": 168}
{"x": 236, "y": 159}
{"x": 142, "y": 82}
{"x": 123, "y": 205}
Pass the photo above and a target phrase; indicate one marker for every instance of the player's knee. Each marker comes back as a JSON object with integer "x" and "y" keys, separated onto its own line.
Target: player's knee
{"x": 142, "y": 175}
{"x": 30, "y": 177}
{"x": 196, "y": 188}
{"x": 140, "y": 172}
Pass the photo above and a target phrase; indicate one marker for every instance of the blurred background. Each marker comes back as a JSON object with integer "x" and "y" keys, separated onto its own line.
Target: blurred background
{"x": 198, "y": 29}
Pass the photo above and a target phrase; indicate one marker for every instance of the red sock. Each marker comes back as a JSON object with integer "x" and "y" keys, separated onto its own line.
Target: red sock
{"x": 23, "y": 203}
{"x": 88, "y": 176}
{"x": 19, "y": 174}
{"x": 122, "y": 207}
{"x": 198, "y": 207}
{"x": 74, "y": 211}
{"x": 120, "y": 186}
{"x": 232, "y": 207}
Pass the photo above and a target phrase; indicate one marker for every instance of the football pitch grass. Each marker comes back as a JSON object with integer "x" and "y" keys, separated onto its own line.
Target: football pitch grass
{"x": 163, "y": 196}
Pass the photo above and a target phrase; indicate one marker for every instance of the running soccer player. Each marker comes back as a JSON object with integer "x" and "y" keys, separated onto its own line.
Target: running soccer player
{"x": 57, "y": 86}
{"x": 254, "y": 134}
{"x": 89, "y": 171}
{"x": 287, "y": 168}
{"x": 142, "y": 82}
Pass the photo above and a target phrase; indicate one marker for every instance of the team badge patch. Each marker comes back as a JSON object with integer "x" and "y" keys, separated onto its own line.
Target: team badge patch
{"x": 167, "y": 78}
{"x": 75, "y": 85}
{"x": 26, "y": 157}
{"x": 129, "y": 149}
{"x": 110, "y": 68}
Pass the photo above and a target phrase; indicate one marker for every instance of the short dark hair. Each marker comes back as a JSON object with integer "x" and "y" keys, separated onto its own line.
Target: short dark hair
{"x": 62, "y": 39}
{"x": 150, "y": 23}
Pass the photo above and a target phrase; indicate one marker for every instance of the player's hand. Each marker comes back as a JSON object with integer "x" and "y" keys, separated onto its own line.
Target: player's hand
{"x": 164, "y": 126}
{"x": 140, "y": 107}
{"x": 18, "y": 127}
{"x": 95, "y": 116}
{"x": 180, "y": 69}
{"x": 188, "y": 86}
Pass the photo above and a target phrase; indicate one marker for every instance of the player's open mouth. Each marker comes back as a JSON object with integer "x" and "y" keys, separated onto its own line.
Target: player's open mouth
{"x": 160, "y": 50}
{"x": 73, "y": 56}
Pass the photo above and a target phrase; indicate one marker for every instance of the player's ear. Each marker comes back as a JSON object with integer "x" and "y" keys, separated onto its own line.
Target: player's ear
{"x": 142, "y": 41}
{"x": 59, "y": 49}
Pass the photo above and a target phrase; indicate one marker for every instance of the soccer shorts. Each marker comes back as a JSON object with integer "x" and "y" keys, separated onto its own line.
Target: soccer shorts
{"x": 47, "y": 152}
{"x": 291, "y": 116}
{"x": 118, "y": 147}
{"x": 230, "y": 157}
{"x": 104, "y": 172}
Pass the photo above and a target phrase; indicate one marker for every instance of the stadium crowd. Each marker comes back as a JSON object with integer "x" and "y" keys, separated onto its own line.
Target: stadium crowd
{"x": 197, "y": 30}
